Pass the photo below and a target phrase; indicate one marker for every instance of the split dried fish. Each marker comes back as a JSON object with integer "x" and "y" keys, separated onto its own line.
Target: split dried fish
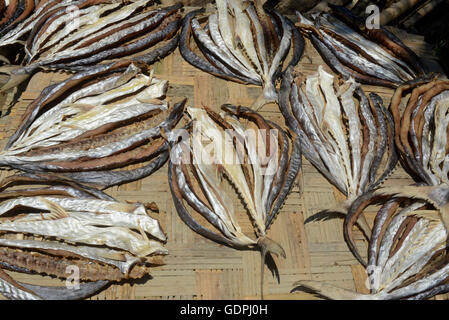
{"x": 96, "y": 121}
{"x": 346, "y": 135}
{"x": 76, "y": 35}
{"x": 370, "y": 56}
{"x": 222, "y": 156}
{"x": 80, "y": 227}
{"x": 407, "y": 252}
{"x": 421, "y": 129}
{"x": 242, "y": 42}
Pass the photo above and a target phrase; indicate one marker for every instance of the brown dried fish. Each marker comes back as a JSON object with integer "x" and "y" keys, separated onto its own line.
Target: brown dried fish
{"x": 369, "y": 55}
{"x": 421, "y": 129}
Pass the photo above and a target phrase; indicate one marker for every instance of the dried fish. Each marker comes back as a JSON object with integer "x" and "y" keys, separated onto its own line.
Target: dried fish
{"x": 370, "y": 56}
{"x": 242, "y": 43}
{"x": 237, "y": 151}
{"x": 96, "y": 121}
{"x": 407, "y": 252}
{"x": 421, "y": 130}
{"x": 346, "y": 135}
{"x": 16, "y": 12}
{"x": 80, "y": 227}
{"x": 76, "y": 35}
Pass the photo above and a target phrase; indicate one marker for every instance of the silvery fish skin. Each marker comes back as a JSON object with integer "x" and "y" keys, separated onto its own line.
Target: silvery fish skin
{"x": 242, "y": 43}
{"x": 421, "y": 129}
{"x": 354, "y": 155}
{"x": 77, "y": 35}
{"x": 261, "y": 174}
{"x": 373, "y": 57}
{"x": 79, "y": 226}
{"x": 103, "y": 119}
{"x": 407, "y": 248}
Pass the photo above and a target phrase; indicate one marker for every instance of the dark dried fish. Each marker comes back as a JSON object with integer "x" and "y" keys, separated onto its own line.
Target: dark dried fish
{"x": 421, "y": 130}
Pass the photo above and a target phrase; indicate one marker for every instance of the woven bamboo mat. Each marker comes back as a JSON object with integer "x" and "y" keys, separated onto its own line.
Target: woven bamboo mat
{"x": 197, "y": 268}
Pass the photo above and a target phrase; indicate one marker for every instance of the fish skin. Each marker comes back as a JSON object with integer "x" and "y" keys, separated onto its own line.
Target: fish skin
{"x": 9, "y": 13}
{"x": 308, "y": 149}
{"x": 294, "y": 169}
{"x": 185, "y": 215}
{"x": 347, "y": 73}
{"x": 277, "y": 182}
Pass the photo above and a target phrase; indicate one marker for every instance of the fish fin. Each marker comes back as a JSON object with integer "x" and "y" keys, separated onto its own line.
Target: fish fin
{"x": 56, "y": 211}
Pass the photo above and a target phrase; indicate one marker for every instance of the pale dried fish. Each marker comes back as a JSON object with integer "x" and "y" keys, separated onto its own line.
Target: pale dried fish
{"x": 407, "y": 252}
{"x": 77, "y": 35}
{"x": 94, "y": 122}
{"x": 223, "y": 155}
{"x": 105, "y": 239}
{"x": 346, "y": 135}
{"x": 243, "y": 43}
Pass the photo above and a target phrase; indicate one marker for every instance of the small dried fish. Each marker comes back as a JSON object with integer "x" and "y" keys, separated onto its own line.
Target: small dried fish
{"x": 242, "y": 43}
{"x": 222, "y": 156}
{"x": 407, "y": 253}
{"x": 94, "y": 122}
{"x": 81, "y": 227}
{"x": 370, "y": 56}
{"x": 76, "y": 35}
{"x": 346, "y": 135}
{"x": 421, "y": 130}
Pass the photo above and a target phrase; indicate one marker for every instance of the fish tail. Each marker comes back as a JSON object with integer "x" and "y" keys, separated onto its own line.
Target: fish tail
{"x": 330, "y": 291}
